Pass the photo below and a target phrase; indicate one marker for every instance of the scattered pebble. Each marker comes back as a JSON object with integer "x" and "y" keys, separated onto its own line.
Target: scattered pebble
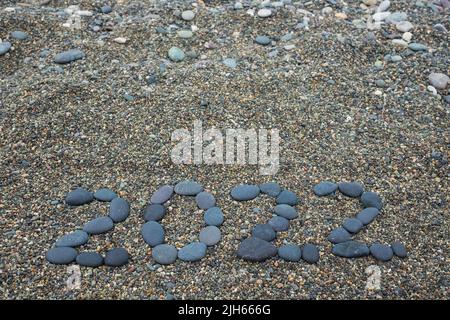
{"x": 271, "y": 189}
{"x": 19, "y": 35}
{"x": 290, "y": 252}
{"x": 352, "y": 225}
{"x": 188, "y": 15}
{"x": 4, "y": 47}
{"x": 188, "y": 188}
{"x": 176, "y": 54}
{"x": 210, "y": 235}
{"x": 69, "y": 56}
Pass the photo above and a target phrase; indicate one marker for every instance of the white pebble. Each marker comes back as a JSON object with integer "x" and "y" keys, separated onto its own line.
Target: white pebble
{"x": 404, "y": 26}
{"x": 407, "y": 36}
{"x": 384, "y": 5}
{"x": 120, "y": 40}
{"x": 327, "y": 10}
{"x": 380, "y": 16}
{"x": 432, "y": 90}
{"x": 188, "y": 15}
{"x": 264, "y": 13}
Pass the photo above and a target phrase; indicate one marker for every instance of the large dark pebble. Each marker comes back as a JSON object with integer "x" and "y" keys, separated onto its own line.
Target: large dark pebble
{"x": 399, "y": 249}
{"x": 325, "y": 188}
{"x": 264, "y": 231}
{"x": 352, "y": 225}
{"x": 381, "y": 252}
{"x": 99, "y": 225}
{"x": 310, "y": 253}
{"x": 188, "y": 188}
{"x": 61, "y": 255}
{"x": 339, "y": 235}
{"x": 162, "y": 195}
{"x": 371, "y": 199}
{"x": 154, "y": 212}
{"x": 256, "y": 249}
{"x": 287, "y": 197}
{"x": 116, "y": 257}
{"x": 119, "y": 209}
{"x": 367, "y": 215}
{"x": 79, "y": 197}
{"x": 271, "y": 189}
{"x": 105, "y": 195}
{"x": 350, "y": 249}
{"x": 153, "y": 233}
{"x": 89, "y": 259}
{"x": 73, "y": 239}
{"x": 245, "y": 192}
{"x": 351, "y": 189}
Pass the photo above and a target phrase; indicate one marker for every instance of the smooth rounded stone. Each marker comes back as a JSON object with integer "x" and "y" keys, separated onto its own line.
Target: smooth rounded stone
{"x": 105, "y": 195}
{"x": 188, "y": 15}
{"x": 245, "y": 192}
{"x": 165, "y": 253}
{"x": 367, "y": 215}
{"x": 19, "y": 35}
{"x": 287, "y": 197}
{"x": 73, "y": 239}
{"x": 279, "y": 223}
{"x": 290, "y": 252}
{"x": 414, "y": 46}
{"x": 176, "y": 54}
{"x": 61, "y": 255}
{"x": 89, "y": 259}
{"x": 264, "y": 13}
{"x": 396, "y": 17}
{"x": 213, "y": 216}
{"x": 154, "y": 212}
{"x": 438, "y": 80}
{"x": 99, "y": 225}
{"x": 310, "y": 253}
{"x": 210, "y": 235}
{"x": 383, "y": 6}
{"x": 256, "y": 249}
{"x": 230, "y": 63}
{"x": 407, "y": 36}
{"x": 286, "y": 211}
{"x": 263, "y": 40}
{"x": 381, "y": 252}
{"x": 399, "y": 43}
{"x": 153, "y": 233}
{"x": 404, "y": 26}
{"x": 396, "y": 58}
{"x": 399, "y": 249}
{"x": 351, "y": 189}
{"x": 119, "y": 209}
{"x": 325, "y": 188}
{"x": 79, "y": 197}
{"x": 162, "y": 195}
{"x": 106, "y": 9}
{"x": 185, "y": 34}
{"x": 350, "y": 249}
{"x": 116, "y": 257}
{"x": 205, "y": 200}
{"x": 264, "y": 232}
{"x": 371, "y": 199}
{"x": 69, "y": 56}
{"x": 188, "y": 188}
{"x": 192, "y": 252}
{"x": 352, "y": 225}
{"x": 380, "y": 16}
{"x": 5, "y": 46}
{"x": 339, "y": 235}
{"x": 271, "y": 189}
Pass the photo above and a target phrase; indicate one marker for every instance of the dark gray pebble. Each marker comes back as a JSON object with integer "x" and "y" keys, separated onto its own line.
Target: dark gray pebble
{"x": 192, "y": 252}
{"x": 264, "y": 231}
{"x": 325, "y": 188}
{"x": 290, "y": 252}
{"x": 271, "y": 189}
{"x": 105, "y": 195}
{"x": 213, "y": 216}
{"x": 287, "y": 197}
{"x": 256, "y": 249}
{"x": 19, "y": 35}
{"x": 339, "y": 235}
{"x": 351, "y": 189}
{"x": 79, "y": 197}
{"x": 188, "y": 188}
{"x": 399, "y": 249}
{"x": 279, "y": 223}
{"x": 154, "y": 212}
{"x": 99, "y": 225}
{"x": 310, "y": 253}
{"x": 73, "y": 239}
{"x": 69, "y": 56}
{"x": 89, "y": 259}
{"x": 61, "y": 255}
{"x": 205, "y": 200}
{"x": 165, "y": 253}
{"x": 119, "y": 209}
{"x": 381, "y": 252}
{"x": 367, "y": 215}
{"x": 162, "y": 195}
{"x": 286, "y": 211}
{"x": 116, "y": 257}
{"x": 350, "y": 249}
{"x": 263, "y": 40}
{"x": 153, "y": 233}
{"x": 371, "y": 199}
{"x": 245, "y": 192}
{"x": 5, "y": 46}
{"x": 352, "y": 225}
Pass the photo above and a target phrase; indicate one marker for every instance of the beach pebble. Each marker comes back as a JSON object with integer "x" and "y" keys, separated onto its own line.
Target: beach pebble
{"x": 119, "y": 209}
{"x": 352, "y": 225}
{"x": 371, "y": 199}
{"x": 350, "y": 249}
{"x": 106, "y": 9}
{"x": 213, "y": 216}
{"x": 176, "y": 54}
{"x": 279, "y": 223}
{"x": 287, "y": 197}
{"x": 264, "y": 231}
{"x": 438, "y": 80}
{"x": 79, "y": 197}
{"x": 404, "y": 26}
{"x": 73, "y": 239}
{"x": 185, "y": 34}
{"x": 381, "y": 252}
{"x": 414, "y": 46}
{"x": 4, "y": 47}
{"x": 383, "y": 6}
{"x": 154, "y": 212}
{"x": 89, "y": 259}
{"x": 99, "y": 225}
{"x": 399, "y": 249}
{"x": 61, "y": 255}
{"x": 310, "y": 253}
{"x": 325, "y": 188}
{"x": 210, "y": 235}
{"x": 192, "y": 252}
{"x": 19, "y": 35}
{"x": 162, "y": 195}
{"x": 290, "y": 252}
{"x": 256, "y": 249}
{"x": 153, "y": 233}
{"x": 286, "y": 211}
{"x": 245, "y": 192}
{"x": 367, "y": 215}
{"x": 69, "y": 56}
{"x": 339, "y": 235}
{"x": 264, "y": 13}
{"x": 272, "y": 189}
{"x": 263, "y": 40}
{"x": 396, "y": 17}
{"x": 230, "y": 63}
{"x": 116, "y": 257}
{"x": 188, "y": 188}
{"x": 165, "y": 253}
{"x": 351, "y": 189}
{"x": 407, "y": 36}
{"x": 205, "y": 200}
{"x": 188, "y": 15}
{"x": 105, "y": 195}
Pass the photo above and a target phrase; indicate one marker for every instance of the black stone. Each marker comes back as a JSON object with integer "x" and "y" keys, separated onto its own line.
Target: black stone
{"x": 256, "y": 249}
{"x": 350, "y": 249}
{"x": 371, "y": 199}
{"x": 264, "y": 231}
{"x": 351, "y": 189}
{"x": 90, "y": 259}
{"x": 119, "y": 209}
{"x": 79, "y": 197}
{"x": 154, "y": 212}
{"x": 116, "y": 257}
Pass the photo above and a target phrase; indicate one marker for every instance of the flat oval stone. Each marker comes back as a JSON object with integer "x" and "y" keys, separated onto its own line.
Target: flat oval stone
{"x": 165, "y": 254}
{"x": 162, "y": 195}
{"x": 414, "y": 46}
{"x": 205, "y": 200}
{"x": 279, "y": 223}
{"x": 264, "y": 231}
{"x": 399, "y": 249}
{"x": 271, "y": 189}
{"x": 286, "y": 211}
{"x": 310, "y": 253}
{"x": 287, "y": 197}
{"x": 351, "y": 189}
{"x": 153, "y": 233}
{"x": 19, "y": 35}
{"x": 264, "y": 13}
{"x": 119, "y": 209}
{"x": 352, "y": 225}
{"x": 230, "y": 63}
{"x": 61, "y": 255}
{"x": 188, "y": 188}
{"x": 185, "y": 34}
{"x": 371, "y": 199}
{"x": 79, "y": 197}
{"x": 210, "y": 235}
{"x": 350, "y": 249}
{"x": 256, "y": 249}
{"x": 367, "y": 215}
{"x": 5, "y": 46}
{"x": 176, "y": 54}
{"x": 69, "y": 56}
{"x": 325, "y": 188}
{"x": 106, "y": 9}
{"x": 290, "y": 252}
{"x": 339, "y": 235}
{"x": 245, "y": 192}
{"x": 263, "y": 40}
{"x": 73, "y": 239}
{"x": 213, "y": 216}
{"x": 116, "y": 257}
{"x": 381, "y": 252}
{"x": 188, "y": 15}
{"x": 438, "y": 80}
{"x": 99, "y": 225}
{"x": 105, "y": 195}
{"x": 192, "y": 252}
{"x": 154, "y": 212}
{"x": 89, "y": 259}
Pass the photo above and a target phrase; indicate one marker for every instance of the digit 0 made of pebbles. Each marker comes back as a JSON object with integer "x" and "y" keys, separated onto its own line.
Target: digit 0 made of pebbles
{"x": 64, "y": 251}
{"x": 153, "y": 231}
{"x": 342, "y": 237}
{"x": 259, "y": 247}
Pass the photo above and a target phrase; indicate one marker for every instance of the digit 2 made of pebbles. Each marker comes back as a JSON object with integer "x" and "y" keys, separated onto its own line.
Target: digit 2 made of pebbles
{"x": 153, "y": 232}
{"x": 259, "y": 246}
{"x": 64, "y": 251}
{"x": 341, "y": 237}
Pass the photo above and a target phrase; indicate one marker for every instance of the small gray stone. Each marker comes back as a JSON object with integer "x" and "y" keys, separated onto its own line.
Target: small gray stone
{"x": 188, "y": 188}
{"x": 61, "y": 255}
{"x": 176, "y": 54}
{"x": 396, "y": 17}
{"x": 290, "y": 252}
{"x": 162, "y": 195}
{"x": 245, "y": 192}
{"x": 371, "y": 199}
{"x": 74, "y": 239}
{"x": 106, "y": 9}
{"x": 69, "y": 56}
{"x": 205, "y": 200}
{"x": 5, "y": 46}
{"x": 367, "y": 215}
{"x": 19, "y": 35}
{"x": 210, "y": 235}
{"x": 339, "y": 235}
{"x": 381, "y": 252}
{"x": 230, "y": 63}
{"x": 188, "y": 15}
{"x": 279, "y": 223}
{"x": 105, "y": 195}
{"x": 192, "y": 252}
{"x": 165, "y": 254}
{"x": 154, "y": 212}
{"x": 89, "y": 259}
{"x": 286, "y": 211}
{"x": 399, "y": 249}
{"x": 414, "y": 46}
{"x": 351, "y": 189}
{"x": 116, "y": 257}
{"x": 350, "y": 249}
{"x": 352, "y": 225}
{"x": 153, "y": 233}
{"x": 264, "y": 231}
{"x": 271, "y": 189}
{"x": 99, "y": 225}
{"x": 213, "y": 216}
{"x": 263, "y": 40}
{"x": 79, "y": 197}
{"x": 287, "y": 197}
{"x": 438, "y": 80}
{"x": 325, "y": 188}
{"x": 256, "y": 249}
{"x": 119, "y": 209}
{"x": 310, "y": 253}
